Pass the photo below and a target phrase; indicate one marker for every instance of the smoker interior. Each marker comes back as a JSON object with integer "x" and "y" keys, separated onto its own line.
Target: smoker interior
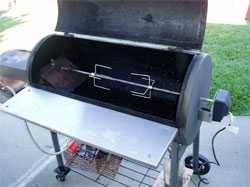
{"x": 166, "y": 68}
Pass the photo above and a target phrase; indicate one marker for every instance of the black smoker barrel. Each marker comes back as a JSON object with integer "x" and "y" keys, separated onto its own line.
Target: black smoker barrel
{"x": 137, "y": 57}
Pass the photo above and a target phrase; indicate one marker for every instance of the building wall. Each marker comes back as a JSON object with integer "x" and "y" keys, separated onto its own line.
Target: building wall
{"x": 227, "y": 11}
{"x": 248, "y": 12}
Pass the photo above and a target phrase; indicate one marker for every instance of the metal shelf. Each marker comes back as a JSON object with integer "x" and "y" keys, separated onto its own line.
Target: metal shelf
{"x": 127, "y": 175}
{"x": 110, "y": 170}
{"x": 95, "y": 126}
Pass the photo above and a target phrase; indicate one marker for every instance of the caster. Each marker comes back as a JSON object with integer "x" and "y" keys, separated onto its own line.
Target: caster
{"x": 204, "y": 165}
{"x": 60, "y": 178}
{"x": 61, "y": 173}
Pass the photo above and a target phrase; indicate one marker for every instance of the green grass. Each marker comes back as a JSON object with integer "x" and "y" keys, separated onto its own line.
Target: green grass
{"x": 229, "y": 47}
{"x": 8, "y": 22}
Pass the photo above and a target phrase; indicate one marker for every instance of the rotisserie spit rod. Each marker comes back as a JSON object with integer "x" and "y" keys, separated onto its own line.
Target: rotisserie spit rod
{"x": 148, "y": 87}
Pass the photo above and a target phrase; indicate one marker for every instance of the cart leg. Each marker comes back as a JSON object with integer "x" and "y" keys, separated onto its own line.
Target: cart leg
{"x": 198, "y": 163}
{"x": 61, "y": 170}
{"x": 174, "y": 165}
{"x": 196, "y": 150}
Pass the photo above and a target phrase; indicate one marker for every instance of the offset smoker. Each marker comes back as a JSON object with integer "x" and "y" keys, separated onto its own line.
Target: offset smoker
{"x": 185, "y": 75}
{"x": 172, "y": 66}
{"x": 137, "y": 57}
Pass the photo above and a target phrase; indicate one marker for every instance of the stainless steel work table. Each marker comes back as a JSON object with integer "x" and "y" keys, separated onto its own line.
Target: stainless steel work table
{"x": 118, "y": 133}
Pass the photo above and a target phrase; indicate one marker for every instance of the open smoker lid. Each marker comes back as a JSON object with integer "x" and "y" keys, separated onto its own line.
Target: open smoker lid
{"x": 179, "y": 23}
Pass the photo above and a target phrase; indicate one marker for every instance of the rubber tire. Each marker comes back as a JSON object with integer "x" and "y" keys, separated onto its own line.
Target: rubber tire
{"x": 204, "y": 165}
{"x": 60, "y": 178}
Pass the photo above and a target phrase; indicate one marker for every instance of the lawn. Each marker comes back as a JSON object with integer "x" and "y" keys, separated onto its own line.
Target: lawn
{"x": 229, "y": 47}
{"x": 8, "y": 22}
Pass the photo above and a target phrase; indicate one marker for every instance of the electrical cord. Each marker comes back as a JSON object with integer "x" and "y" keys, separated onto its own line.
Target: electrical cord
{"x": 12, "y": 91}
{"x": 39, "y": 147}
{"x": 29, "y": 131}
{"x": 8, "y": 88}
{"x": 213, "y": 146}
{"x": 203, "y": 180}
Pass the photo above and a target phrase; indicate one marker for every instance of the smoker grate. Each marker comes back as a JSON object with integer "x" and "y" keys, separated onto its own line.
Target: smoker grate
{"x": 115, "y": 171}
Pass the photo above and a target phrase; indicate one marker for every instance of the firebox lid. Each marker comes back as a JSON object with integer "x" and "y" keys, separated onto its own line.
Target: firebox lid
{"x": 178, "y": 23}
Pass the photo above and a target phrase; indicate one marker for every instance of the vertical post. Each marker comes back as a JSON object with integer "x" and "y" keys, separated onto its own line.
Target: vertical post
{"x": 196, "y": 150}
{"x": 171, "y": 177}
{"x": 57, "y": 149}
{"x": 174, "y": 165}
{"x": 61, "y": 170}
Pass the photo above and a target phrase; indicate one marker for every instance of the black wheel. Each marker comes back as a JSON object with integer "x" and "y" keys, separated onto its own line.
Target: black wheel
{"x": 204, "y": 165}
{"x": 61, "y": 173}
{"x": 60, "y": 178}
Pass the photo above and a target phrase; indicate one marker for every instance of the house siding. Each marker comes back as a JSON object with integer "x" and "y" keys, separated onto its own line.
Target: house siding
{"x": 227, "y": 11}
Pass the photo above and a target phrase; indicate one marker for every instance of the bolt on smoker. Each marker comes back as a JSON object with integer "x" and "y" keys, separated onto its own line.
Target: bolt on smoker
{"x": 140, "y": 58}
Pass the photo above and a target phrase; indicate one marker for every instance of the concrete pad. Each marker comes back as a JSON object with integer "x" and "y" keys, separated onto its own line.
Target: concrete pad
{"x": 47, "y": 178}
{"x": 227, "y": 11}
{"x": 39, "y": 19}
{"x": 18, "y": 155}
{"x": 232, "y": 152}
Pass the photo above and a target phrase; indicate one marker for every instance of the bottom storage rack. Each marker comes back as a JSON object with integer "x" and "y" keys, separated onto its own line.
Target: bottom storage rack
{"x": 126, "y": 176}
{"x": 109, "y": 170}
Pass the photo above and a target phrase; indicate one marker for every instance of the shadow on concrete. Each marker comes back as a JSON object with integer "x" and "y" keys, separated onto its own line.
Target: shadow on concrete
{"x": 9, "y": 22}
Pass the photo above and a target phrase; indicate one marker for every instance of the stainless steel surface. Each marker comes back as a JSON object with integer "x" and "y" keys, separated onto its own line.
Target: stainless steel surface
{"x": 130, "y": 43}
{"x": 148, "y": 92}
{"x": 93, "y": 75}
{"x": 122, "y": 134}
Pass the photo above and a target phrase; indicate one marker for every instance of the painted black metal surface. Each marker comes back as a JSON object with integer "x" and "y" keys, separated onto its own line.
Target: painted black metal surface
{"x": 13, "y": 64}
{"x": 167, "y": 68}
{"x": 179, "y": 23}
